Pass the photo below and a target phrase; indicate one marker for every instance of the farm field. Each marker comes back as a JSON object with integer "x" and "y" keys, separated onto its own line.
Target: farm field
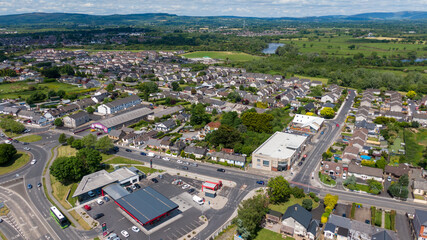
{"x": 16, "y": 89}
{"x": 338, "y": 45}
{"x": 232, "y": 56}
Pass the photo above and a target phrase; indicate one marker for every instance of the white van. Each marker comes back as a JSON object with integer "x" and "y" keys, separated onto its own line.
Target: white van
{"x": 150, "y": 154}
{"x": 198, "y": 200}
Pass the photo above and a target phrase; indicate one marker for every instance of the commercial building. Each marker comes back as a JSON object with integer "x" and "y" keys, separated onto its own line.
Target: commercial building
{"x": 279, "y": 152}
{"x": 119, "y": 105}
{"x": 306, "y": 123}
{"x": 122, "y": 120}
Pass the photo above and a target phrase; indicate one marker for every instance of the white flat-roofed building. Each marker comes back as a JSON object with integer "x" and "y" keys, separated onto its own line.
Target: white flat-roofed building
{"x": 306, "y": 123}
{"x": 279, "y": 152}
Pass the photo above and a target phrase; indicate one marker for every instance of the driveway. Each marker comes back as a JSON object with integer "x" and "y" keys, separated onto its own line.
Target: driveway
{"x": 402, "y": 226}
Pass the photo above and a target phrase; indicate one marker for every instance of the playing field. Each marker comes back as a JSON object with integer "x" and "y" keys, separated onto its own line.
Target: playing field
{"x": 22, "y": 89}
{"x": 232, "y": 56}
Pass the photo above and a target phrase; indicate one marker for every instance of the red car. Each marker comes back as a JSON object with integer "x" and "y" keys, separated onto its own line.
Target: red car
{"x": 338, "y": 125}
{"x": 99, "y": 133}
{"x": 10, "y": 139}
{"x": 87, "y": 207}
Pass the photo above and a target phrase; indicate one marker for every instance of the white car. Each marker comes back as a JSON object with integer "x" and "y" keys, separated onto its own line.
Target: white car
{"x": 185, "y": 186}
{"x": 33, "y": 161}
{"x": 166, "y": 158}
{"x": 124, "y": 233}
{"x": 135, "y": 229}
{"x": 8, "y": 142}
{"x": 389, "y": 179}
{"x": 99, "y": 201}
{"x": 27, "y": 148}
{"x": 344, "y": 176}
{"x": 179, "y": 161}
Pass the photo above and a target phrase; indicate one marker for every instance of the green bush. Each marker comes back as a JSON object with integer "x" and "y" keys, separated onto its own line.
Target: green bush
{"x": 312, "y": 195}
{"x": 373, "y": 212}
{"x": 316, "y": 199}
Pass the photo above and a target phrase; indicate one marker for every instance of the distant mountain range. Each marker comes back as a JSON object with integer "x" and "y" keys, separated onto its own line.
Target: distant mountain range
{"x": 58, "y": 19}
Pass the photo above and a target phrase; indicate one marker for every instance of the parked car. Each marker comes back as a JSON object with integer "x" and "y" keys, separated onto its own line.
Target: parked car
{"x": 29, "y": 186}
{"x": 135, "y": 229}
{"x": 124, "y": 233}
{"x": 344, "y": 176}
{"x": 137, "y": 186}
{"x": 191, "y": 190}
{"x": 143, "y": 154}
{"x": 194, "y": 164}
{"x": 112, "y": 236}
{"x": 129, "y": 190}
{"x": 98, "y": 133}
{"x": 160, "y": 176}
{"x": 260, "y": 182}
{"x": 98, "y": 216}
{"x": 185, "y": 186}
{"x": 91, "y": 194}
{"x": 99, "y": 201}
{"x": 178, "y": 161}
{"x": 154, "y": 180}
{"x": 87, "y": 207}
{"x": 220, "y": 170}
{"x": 300, "y": 164}
{"x": 25, "y": 143}
{"x": 389, "y": 178}
{"x": 8, "y": 141}
{"x": 333, "y": 177}
{"x": 15, "y": 141}
{"x": 128, "y": 150}
{"x": 39, "y": 184}
{"x": 106, "y": 199}
{"x": 27, "y": 148}
{"x": 338, "y": 125}
{"x": 166, "y": 158}
{"x": 184, "y": 168}
{"x": 133, "y": 187}
{"x": 33, "y": 161}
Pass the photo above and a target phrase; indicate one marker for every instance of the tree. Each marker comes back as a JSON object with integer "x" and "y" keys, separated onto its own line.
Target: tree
{"x": 330, "y": 200}
{"x": 36, "y": 97}
{"x": 51, "y": 73}
{"x": 89, "y": 141}
{"x": 298, "y": 192}
{"x": 175, "y": 86}
{"x": 258, "y": 122}
{"x": 234, "y": 97}
{"x": 104, "y": 144}
{"x": 147, "y": 88}
{"x": 60, "y": 93}
{"x": 404, "y": 180}
{"x": 62, "y": 138}
{"x": 11, "y": 125}
{"x": 7, "y": 151}
{"x": 398, "y": 191}
{"x": 250, "y": 214}
{"x": 352, "y": 47}
{"x": 110, "y": 87}
{"x": 77, "y": 144}
{"x": 225, "y": 135}
{"x": 411, "y": 94}
{"x": 90, "y": 110}
{"x": 381, "y": 163}
{"x": 350, "y": 182}
{"x": 375, "y": 187}
{"x": 58, "y": 122}
{"x": 91, "y": 159}
{"x": 64, "y": 169}
{"x": 199, "y": 115}
{"x": 51, "y": 93}
{"x": 70, "y": 140}
{"x": 307, "y": 204}
{"x": 278, "y": 190}
{"x": 327, "y": 112}
{"x": 231, "y": 119}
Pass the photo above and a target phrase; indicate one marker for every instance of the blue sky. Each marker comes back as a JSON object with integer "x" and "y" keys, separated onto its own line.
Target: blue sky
{"x": 249, "y": 8}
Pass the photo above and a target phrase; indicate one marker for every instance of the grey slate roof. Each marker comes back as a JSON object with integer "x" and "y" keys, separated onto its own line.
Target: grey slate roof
{"x": 122, "y": 101}
{"x": 79, "y": 115}
{"x": 343, "y": 231}
{"x": 299, "y": 214}
{"x": 383, "y": 235}
{"x": 146, "y": 204}
{"x": 339, "y": 221}
{"x": 330, "y": 227}
{"x": 312, "y": 228}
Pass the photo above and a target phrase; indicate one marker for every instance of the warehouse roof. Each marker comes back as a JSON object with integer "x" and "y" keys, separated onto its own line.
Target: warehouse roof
{"x": 115, "y": 191}
{"x": 125, "y": 117}
{"x": 146, "y": 204}
{"x": 280, "y": 145}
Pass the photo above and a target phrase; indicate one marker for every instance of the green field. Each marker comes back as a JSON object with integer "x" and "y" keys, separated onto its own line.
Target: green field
{"x": 16, "y": 89}
{"x": 414, "y": 151}
{"x": 270, "y": 235}
{"x": 18, "y": 161}
{"x": 30, "y": 138}
{"x": 338, "y": 45}
{"x": 283, "y": 206}
{"x": 232, "y": 56}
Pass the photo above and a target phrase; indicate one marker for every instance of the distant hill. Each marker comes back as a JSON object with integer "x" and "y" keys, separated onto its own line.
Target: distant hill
{"x": 66, "y": 19}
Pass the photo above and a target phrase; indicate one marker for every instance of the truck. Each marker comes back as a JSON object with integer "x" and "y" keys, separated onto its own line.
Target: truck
{"x": 198, "y": 200}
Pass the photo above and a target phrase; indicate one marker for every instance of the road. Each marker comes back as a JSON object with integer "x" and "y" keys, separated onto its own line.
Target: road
{"x": 331, "y": 132}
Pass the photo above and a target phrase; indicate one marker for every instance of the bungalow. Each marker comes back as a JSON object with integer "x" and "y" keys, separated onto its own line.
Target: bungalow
{"x": 197, "y": 151}
{"x": 154, "y": 143}
{"x": 298, "y": 222}
{"x": 419, "y": 187}
{"x": 69, "y": 108}
{"x": 212, "y": 126}
{"x": 365, "y": 173}
{"x": 165, "y": 126}
{"x": 350, "y": 151}
{"x": 229, "y": 158}
{"x": 84, "y": 103}
{"x": 329, "y": 97}
{"x": 397, "y": 171}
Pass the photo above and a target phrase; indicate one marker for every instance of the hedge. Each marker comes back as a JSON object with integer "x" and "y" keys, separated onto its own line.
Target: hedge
{"x": 373, "y": 211}
{"x": 393, "y": 219}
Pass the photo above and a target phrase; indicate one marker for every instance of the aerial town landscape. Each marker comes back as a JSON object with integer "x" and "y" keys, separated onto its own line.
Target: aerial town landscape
{"x": 213, "y": 125}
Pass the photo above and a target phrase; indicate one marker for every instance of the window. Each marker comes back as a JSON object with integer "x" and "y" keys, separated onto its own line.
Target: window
{"x": 266, "y": 163}
{"x": 258, "y": 160}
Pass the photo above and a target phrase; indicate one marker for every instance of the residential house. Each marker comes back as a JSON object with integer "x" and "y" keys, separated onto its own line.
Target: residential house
{"x": 419, "y": 224}
{"x": 154, "y": 143}
{"x": 397, "y": 171}
{"x": 343, "y": 233}
{"x": 365, "y": 173}
{"x": 100, "y": 97}
{"x": 383, "y": 235}
{"x": 197, "y": 151}
{"x": 329, "y": 231}
{"x": 349, "y": 153}
{"x": 419, "y": 187}
{"x": 237, "y": 160}
{"x": 165, "y": 126}
{"x": 69, "y": 108}
{"x": 119, "y": 105}
{"x": 297, "y": 221}
{"x": 177, "y": 147}
{"x": 212, "y": 126}
{"x": 76, "y": 120}
{"x": 84, "y": 103}
{"x": 420, "y": 118}
{"x": 332, "y": 168}
{"x": 116, "y": 135}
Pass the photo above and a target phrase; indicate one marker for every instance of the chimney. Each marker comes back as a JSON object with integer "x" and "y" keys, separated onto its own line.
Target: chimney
{"x": 295, "y": 208}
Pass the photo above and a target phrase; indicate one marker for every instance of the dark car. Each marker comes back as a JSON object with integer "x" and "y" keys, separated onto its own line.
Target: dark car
{"x": 98, "y": 216}
{"x": 300, "y": 164}
{"x": 260, "y": 182}
{"x": 333, "y": 177}
{"x": 185, "y": 168}
{"x": 99, "y": 133}
{"x": 128, "y": 150}
{"x": 129, "y": 189}
{"x": 39, "y": 184}
{"x": 143, "y": 154}
{"x": 191, "y": 190}
{"x": 154, "y": 180}
{"x": 29, "y": 186}
{"x": 137, "y": 186}
{"x": 221, "y": 170}
{"x": 15, "y": 141}
{"x": 25, "y": 143}
{"x": 116, "y": 149}
{"x": 106, "y": 199}
{"x": 367, "y": 222}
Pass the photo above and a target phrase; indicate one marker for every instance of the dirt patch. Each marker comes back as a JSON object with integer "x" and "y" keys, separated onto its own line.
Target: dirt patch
{"x": 228, "y": 234}
{"x": 362, "y": 214}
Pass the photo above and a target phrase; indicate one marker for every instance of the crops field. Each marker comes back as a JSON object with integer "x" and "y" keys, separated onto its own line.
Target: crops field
{"x": 13, "y": 90}
{"x": 338, "y": 45}
{"x": 232, "y": 56}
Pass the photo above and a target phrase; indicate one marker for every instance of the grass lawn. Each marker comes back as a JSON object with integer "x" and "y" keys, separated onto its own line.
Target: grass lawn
{"x": 422, "y": 137}
{"x": 283, "y": 206}
{"x": 18, "y": 161}
{"x": 11, "y": 134}
{"x": 232, "y": 56}
{"x": 80, "y": 220}
{"x": 347, "y": 134}
{"x": 60, "y": 191}
{"x": 362, "y": 187}
{"x": 122, "y": 160}
{"x": 414, "y": 151}
{"x": 418, "y": 197}
{"x": 378, "y": 217}
{"x": 70, "y": 199}
{"x": 4, "y": 211}
{"x": 30, "y": 138}
{"x": 147, "y": 170}
{"x": 13, "y": 90}
{"x": 396, "y": 145}
{"x": 66, "y": 151}
{"x": 327, "y": 180}
{"x": 323, "y": 80}
{"x": 264, "y": 234}
{"x": 387, "y": 220}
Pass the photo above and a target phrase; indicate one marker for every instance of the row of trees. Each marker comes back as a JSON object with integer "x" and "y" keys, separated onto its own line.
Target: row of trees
{"x": 104, "y": 144}
{"x": 8, "y": 124}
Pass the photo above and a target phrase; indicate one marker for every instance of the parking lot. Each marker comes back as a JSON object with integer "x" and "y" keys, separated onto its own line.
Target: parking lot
{"x": 180, "y": 222}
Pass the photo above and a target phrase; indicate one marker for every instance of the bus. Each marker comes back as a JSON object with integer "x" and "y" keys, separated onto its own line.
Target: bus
{"x": 59, "y": 217}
